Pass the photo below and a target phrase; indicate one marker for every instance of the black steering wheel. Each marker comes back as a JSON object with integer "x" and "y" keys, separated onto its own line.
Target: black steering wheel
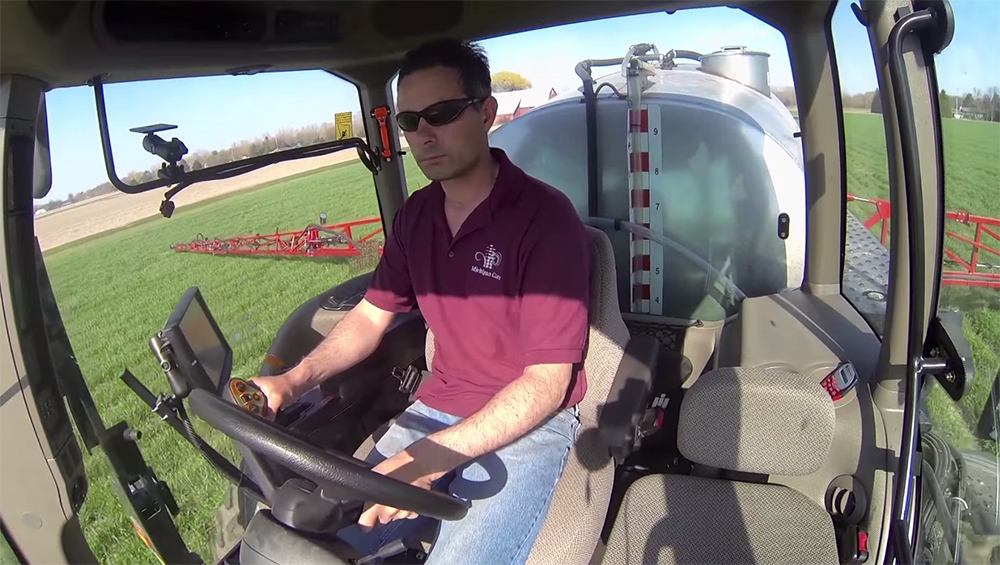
{"x": 347, "y": 474}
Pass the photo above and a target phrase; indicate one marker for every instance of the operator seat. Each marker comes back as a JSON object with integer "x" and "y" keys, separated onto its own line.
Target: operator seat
{"x": 764, "y": 422}
{"x": 579, "y": 506}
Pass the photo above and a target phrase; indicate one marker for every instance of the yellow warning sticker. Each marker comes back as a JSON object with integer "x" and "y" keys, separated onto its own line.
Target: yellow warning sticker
{"x": 344, "y": 124}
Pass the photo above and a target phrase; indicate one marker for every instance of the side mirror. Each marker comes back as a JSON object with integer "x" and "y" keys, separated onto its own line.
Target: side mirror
{"x": 946, "y": 341}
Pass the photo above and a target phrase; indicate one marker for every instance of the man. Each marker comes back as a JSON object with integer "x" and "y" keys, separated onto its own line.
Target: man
{"x": 498, "y": 264}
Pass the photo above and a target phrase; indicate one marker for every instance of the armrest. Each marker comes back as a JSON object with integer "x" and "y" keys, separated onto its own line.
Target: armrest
{"x": 629, "y": 395}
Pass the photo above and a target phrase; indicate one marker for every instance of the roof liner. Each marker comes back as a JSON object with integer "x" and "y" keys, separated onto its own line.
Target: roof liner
{"x": 65, "y": 43}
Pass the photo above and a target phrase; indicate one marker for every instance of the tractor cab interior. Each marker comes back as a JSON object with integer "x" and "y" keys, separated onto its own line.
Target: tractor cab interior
{"x": 755, "y": 416}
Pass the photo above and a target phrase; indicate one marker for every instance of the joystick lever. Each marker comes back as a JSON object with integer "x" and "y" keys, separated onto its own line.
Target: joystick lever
{"x": 248, "y": 396}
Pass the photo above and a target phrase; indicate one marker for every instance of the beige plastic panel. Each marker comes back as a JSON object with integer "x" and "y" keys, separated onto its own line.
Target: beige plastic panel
{"x": 696, "y": 340}
{"x": 811, "y": 335}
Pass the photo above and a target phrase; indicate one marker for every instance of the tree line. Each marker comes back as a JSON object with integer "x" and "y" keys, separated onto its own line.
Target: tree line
{"x": 976, "y": 105}
{"x": 283, "y": 139}
{"x": 507, "y": 81}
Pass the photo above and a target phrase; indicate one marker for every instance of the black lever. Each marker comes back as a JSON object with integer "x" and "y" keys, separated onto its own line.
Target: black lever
{"x": 171, "y": 410}
{"x": 392, "y": 549}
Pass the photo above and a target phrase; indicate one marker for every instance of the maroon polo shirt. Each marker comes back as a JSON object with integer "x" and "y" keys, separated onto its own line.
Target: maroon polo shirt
{"x": 511, "y": 289}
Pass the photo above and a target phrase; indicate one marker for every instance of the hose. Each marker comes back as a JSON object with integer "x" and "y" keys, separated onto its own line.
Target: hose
{"x": 611, "y": 86}
{"x": 218, "y": 461}
{"x": 683, "y": 54}
{"x": 942, "y": 464}
{"x": 646, "y": 233}
{"x": 590, "y": 108}
{"x": 944, "y": 516}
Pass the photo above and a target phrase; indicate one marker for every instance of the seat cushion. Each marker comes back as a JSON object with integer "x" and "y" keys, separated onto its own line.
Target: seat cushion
{"x": 682, "y": 519}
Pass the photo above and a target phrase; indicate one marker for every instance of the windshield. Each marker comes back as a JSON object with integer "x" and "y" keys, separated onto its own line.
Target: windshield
{"x": 959, "y": 519}
{"x": 721, "y": 179}
{"x": 117, "y": 267}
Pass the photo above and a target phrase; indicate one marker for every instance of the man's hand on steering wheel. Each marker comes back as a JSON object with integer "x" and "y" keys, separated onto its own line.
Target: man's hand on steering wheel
{"x": 421, "y": 465}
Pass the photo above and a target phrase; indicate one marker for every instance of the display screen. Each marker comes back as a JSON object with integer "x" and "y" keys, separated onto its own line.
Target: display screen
{"x": 199, "y": 347}
{"x": 206, "y": 345}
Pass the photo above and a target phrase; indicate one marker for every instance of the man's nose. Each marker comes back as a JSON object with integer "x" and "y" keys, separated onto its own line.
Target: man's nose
{"x": 420, "y": 137}
{"x": 425, "y": 130}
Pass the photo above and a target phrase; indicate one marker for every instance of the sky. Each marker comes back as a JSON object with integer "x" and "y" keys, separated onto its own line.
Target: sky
{"x": 214, "y": 112}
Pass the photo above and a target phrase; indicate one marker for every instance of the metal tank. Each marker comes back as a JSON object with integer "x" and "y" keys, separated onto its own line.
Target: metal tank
{"x": 692, "y": 147}
{"x": 741, "y": 65}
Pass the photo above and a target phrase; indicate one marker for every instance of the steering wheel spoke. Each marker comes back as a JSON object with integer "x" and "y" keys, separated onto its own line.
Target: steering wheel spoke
{"x": 346, "y": 476}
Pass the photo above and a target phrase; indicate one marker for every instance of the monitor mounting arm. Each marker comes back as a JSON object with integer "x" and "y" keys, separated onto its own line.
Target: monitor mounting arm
{"x": 170, "y": 151}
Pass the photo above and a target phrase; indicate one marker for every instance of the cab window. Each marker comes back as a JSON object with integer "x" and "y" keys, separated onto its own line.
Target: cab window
{"x": 865, "y": 273}
{"x": 720, "y": 167}
{"x": 116, "y": 274}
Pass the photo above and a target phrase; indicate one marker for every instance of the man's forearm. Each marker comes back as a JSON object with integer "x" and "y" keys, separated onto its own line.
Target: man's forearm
{"x": 350, "y": 342}
{"x": 511, "y": 413}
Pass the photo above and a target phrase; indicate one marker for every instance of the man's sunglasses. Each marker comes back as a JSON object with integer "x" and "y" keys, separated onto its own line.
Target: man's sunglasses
{"x": 436, "y": 114}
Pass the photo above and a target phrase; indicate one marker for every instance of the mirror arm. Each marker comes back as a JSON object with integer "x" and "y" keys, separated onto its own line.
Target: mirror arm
{"x": 369, "y": 158}
{"x": 109, "y": 160}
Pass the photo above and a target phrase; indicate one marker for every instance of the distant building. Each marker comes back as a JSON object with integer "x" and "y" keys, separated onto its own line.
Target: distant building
{"x": 514, "y": 104}
{"x": 970, "y": 113}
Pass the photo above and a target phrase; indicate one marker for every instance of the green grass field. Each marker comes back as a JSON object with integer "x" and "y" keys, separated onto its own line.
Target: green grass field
{"x": 116, "y": 290}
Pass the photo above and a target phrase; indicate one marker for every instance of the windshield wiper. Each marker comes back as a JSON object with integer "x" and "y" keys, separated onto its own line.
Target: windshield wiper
{"x": 172, "y": 174}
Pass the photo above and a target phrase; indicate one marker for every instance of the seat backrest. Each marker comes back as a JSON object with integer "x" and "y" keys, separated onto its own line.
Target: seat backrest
{"x": 580, "y": 502}
{"x": 579, "y": 506}
{"x": 754, "y": 420}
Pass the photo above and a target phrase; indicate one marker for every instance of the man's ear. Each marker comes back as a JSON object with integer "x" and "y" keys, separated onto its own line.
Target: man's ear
{"x": 489, "y": 112}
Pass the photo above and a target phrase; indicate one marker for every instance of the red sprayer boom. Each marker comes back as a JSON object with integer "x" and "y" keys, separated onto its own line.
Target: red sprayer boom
{"x": 982, "y": 268}
{"x": 334, "y": 240}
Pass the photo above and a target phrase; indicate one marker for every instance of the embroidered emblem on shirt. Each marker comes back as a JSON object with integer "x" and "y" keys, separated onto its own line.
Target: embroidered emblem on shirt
{"x": 490, "y": 259}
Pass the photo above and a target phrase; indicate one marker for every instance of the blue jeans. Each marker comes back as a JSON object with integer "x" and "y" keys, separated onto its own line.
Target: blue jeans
{"x": 508, "y": 491}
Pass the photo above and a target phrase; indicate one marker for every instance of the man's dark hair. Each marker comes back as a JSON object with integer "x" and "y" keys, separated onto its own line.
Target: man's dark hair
{"x": 468, "y": 59}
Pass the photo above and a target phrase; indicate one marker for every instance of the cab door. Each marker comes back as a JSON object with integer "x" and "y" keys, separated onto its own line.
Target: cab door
{"x": 43, "y": 482}
{"x": 940, "y": 326}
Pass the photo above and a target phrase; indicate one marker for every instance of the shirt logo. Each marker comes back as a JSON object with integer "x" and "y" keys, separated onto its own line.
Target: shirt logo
{"x": 490, "y": 259}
